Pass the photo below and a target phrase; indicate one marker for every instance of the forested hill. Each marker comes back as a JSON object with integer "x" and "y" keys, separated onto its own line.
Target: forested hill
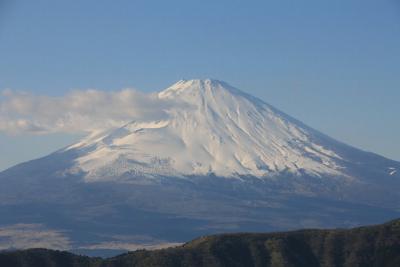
{"x": 365, "y": 246}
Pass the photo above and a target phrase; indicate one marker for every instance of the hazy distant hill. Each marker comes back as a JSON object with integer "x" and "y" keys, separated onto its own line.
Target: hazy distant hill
{"x": 365, "y": 246}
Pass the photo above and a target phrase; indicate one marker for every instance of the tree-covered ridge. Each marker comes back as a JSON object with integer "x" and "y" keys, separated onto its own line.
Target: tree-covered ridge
{"x": 365, "y": 246}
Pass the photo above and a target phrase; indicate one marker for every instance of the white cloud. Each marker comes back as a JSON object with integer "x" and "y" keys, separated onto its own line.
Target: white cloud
{"x": 77, "y": 111}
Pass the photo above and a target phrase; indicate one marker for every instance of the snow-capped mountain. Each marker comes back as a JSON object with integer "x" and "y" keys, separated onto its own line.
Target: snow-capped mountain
{"x": 219, "y": 160}
{"x": 214, "y": 128}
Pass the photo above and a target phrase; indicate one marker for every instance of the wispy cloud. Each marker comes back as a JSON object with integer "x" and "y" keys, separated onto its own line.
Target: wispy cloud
{"x": 23, "y": 236}
{"x": 77, "y": 111}
{"x": 131, "y": 243}
{"x": 130, "y": 246}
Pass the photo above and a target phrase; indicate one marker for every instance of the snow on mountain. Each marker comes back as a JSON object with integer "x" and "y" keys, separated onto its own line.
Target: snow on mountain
{"x": 392, "y": 171}
{"x": 214, "y": 129}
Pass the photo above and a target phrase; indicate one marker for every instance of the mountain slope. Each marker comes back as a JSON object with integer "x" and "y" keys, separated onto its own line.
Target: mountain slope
{"x": 214, "y": 129}
{"x": 366, "y": 246}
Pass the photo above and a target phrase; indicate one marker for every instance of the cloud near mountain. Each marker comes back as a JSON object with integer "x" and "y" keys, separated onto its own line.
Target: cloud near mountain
{"x": 32, "y": 235}
{"x": 77, "y": 111}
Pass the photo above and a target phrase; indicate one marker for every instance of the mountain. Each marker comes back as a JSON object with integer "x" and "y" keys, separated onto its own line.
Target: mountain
{"x": 213, "y": 128}
{"x": 366, "y": 246}
{"x": 218, "y": 160}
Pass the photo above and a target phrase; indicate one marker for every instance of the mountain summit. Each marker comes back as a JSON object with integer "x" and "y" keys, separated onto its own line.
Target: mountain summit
{"x": 213, "y": 128}
{"x": 217, "y": 160}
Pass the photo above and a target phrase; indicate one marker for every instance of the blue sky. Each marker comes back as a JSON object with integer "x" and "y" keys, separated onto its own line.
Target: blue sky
{"x": 332, "y": 64}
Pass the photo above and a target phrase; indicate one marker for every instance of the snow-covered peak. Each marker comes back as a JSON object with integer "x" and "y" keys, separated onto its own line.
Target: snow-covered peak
{"x": 198, "y": 87}
{"x": 213, "y": 128}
